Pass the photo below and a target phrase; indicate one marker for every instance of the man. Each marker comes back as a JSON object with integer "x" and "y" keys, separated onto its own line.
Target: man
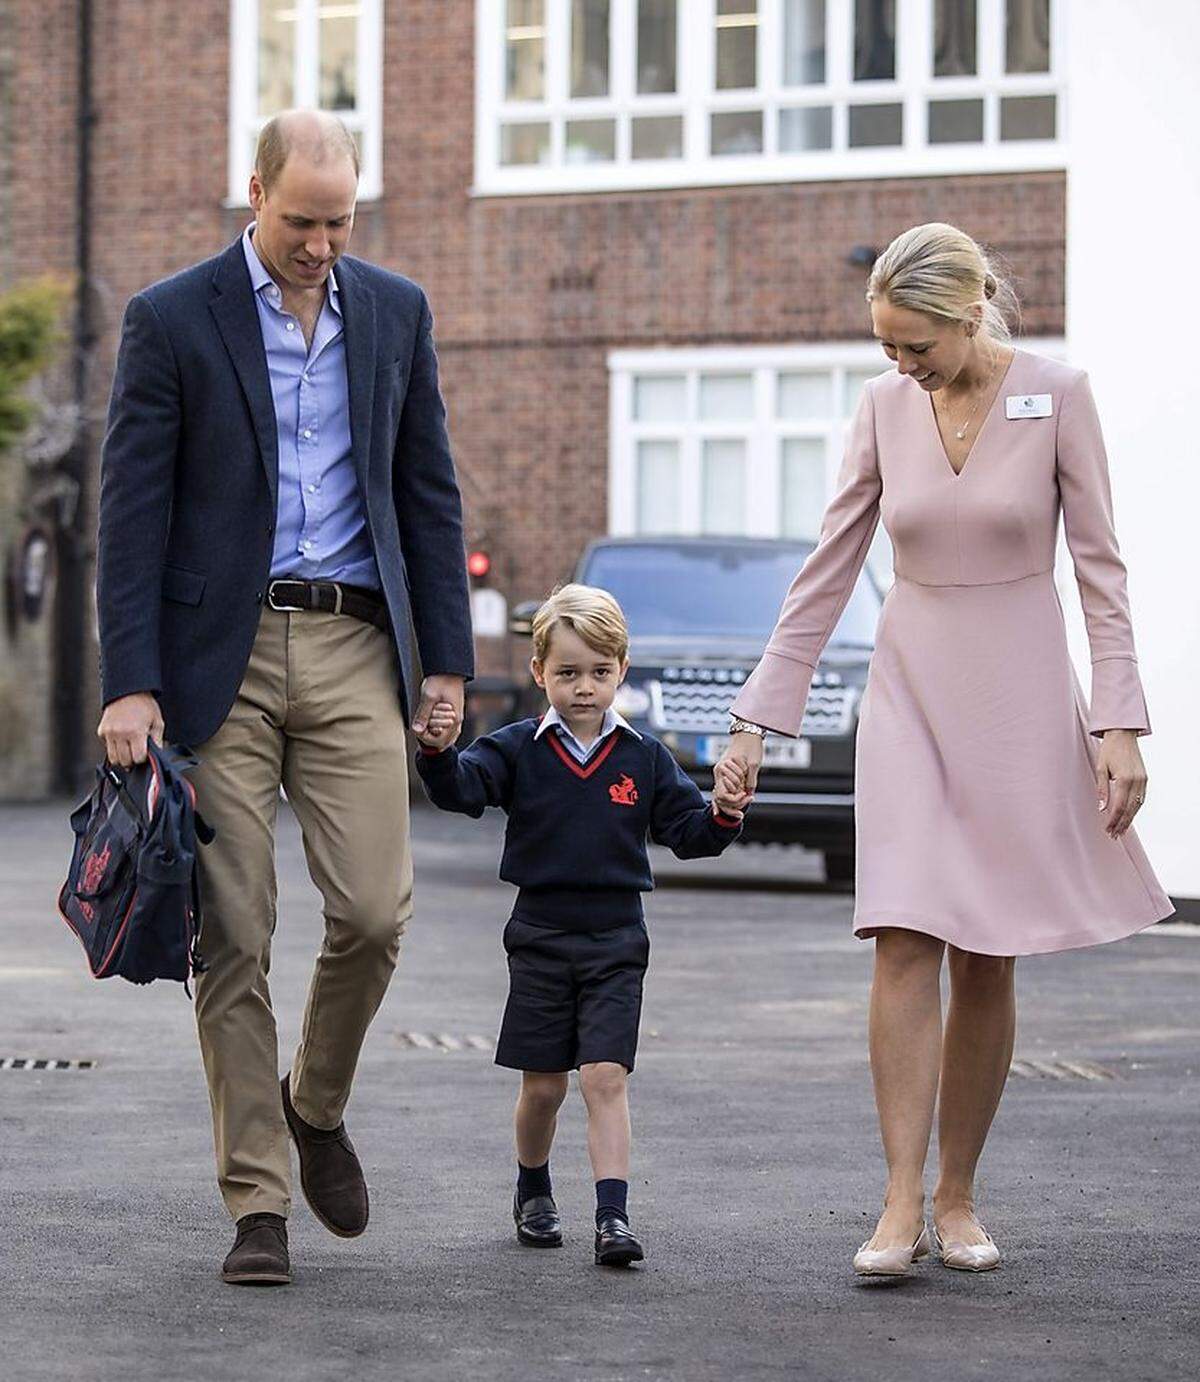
{"x": 277, "y": 500}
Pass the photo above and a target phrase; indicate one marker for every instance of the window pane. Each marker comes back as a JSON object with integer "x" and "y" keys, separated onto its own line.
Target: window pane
{"x": 1027, "y": 117}
{"x": 874, "y": 40}
{"x": 955, "y": 122}
{"x": 276, "y": 57}
{"x": 855, "y": 379}
{"x": 803, "y": 42}
{"x": 660, "y": 398}
{"x": 525, "y": 144}
{"x": 1027, "y": 36}
{"x": 873, "y": 127}
{"x": 339, "y": 56}
{"x": 802, "y": 484}
{"x": 723, "y": 501}
{"x": 589, "y": 47}
{"x": 525, "y": 51}
{"x": 954, "y": 34}
{"x": 806, "y": 395}
{"x": 658, "y": 487}
{"x": 591, "y": 141}
{"x": 724, "y": 396}
{"x": 808, "y": 128}
{"x": 656, "y": 46}
{"x": 658, "y": 136}
{"x": 737, "y": 44}
{"x": 737, "y": 132}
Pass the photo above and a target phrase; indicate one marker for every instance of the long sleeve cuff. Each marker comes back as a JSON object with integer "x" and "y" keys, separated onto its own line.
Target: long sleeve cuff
{"x": 436, "y": 762}
{"x": 776, "y": 694}
{"x": 1118, "y": 701}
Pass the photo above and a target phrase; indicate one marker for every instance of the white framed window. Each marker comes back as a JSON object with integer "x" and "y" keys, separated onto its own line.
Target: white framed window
{"x": 737, "y": 440}
{"x": 589, "y": 95}
{"x": 322, "y": 54}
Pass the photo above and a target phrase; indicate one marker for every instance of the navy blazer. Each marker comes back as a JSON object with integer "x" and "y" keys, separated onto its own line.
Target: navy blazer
{"x": 189, "y": 475}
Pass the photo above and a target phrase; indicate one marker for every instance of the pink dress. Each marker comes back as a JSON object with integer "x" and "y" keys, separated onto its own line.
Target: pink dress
{"x": 976, "y": 808}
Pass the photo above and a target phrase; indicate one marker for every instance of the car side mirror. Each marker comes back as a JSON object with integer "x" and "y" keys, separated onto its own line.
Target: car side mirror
{"x": 520, "y": 619}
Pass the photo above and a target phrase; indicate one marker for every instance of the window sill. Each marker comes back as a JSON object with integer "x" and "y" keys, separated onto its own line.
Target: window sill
{"x": 962, "y": 160}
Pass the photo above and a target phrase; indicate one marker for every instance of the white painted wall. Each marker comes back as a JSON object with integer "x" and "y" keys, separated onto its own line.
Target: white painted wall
{"x": 1132, "y": 322}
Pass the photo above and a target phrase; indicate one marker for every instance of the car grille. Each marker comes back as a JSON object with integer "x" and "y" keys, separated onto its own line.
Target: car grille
{"x": 703, "y": 708}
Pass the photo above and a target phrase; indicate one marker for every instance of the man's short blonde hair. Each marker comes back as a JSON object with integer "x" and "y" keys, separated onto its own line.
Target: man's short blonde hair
{"x": 592, "y": 613}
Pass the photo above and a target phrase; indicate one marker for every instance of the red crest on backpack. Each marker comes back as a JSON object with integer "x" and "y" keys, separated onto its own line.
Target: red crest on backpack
{"x": 624, "y": 793}
{"x": 94, "y": 868}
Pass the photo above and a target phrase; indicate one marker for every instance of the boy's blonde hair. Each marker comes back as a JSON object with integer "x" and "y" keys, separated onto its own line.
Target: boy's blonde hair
{"x": 593, "y": 614}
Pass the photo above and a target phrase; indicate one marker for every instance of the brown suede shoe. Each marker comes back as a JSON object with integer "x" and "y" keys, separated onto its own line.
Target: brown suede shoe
{"x": 259, "y": 1256}
{"x": 330, "y": 1176}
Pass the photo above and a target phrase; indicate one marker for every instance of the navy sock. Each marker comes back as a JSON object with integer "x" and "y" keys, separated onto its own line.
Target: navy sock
{"x": 532, "y": 1180}
{"x": 612, "y": 1196}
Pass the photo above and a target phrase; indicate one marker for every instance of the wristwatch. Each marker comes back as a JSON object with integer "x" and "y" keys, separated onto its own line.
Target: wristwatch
{"x": 738, "y": 726}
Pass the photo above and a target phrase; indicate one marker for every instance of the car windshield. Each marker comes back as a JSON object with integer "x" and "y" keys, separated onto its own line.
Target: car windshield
{"x": 717, "y": 589}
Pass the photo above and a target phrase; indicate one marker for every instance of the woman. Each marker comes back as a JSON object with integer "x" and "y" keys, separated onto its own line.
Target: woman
{"x": 980, "y": 768}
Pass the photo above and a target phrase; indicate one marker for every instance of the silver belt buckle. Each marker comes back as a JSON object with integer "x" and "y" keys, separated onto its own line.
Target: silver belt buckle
{"x": 282, "y": 609}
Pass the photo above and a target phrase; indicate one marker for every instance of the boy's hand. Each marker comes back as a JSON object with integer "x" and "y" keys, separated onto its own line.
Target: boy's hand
{"x": 441, "y": 725}
{"x": 727, "y": 805}
{"x": 730, "y": 787}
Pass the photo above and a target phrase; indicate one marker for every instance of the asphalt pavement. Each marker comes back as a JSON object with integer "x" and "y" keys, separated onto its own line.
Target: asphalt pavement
{"x": 757, "y": 1171}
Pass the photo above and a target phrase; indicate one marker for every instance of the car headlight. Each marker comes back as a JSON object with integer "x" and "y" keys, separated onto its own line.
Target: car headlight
{"x": 631, "y": 701}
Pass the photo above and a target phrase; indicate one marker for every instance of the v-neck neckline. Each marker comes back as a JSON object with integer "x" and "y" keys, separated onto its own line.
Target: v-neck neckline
{"x": 584, "y": 770}
{"x": 987, "y": 417}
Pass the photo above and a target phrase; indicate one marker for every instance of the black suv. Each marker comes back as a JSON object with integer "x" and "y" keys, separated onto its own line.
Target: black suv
{"x": 700, "y": 611}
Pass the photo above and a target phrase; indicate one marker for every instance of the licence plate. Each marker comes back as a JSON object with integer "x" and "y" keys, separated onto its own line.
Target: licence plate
{"x": 777, "y": 753}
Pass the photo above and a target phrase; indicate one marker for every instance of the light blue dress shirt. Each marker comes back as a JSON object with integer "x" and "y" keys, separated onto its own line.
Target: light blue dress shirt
{"x": 321, "y": 523}
{"x": 612, "y": 720}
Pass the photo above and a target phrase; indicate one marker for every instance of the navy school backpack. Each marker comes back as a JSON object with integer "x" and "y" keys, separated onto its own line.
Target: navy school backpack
{"x": 131, "y": 895}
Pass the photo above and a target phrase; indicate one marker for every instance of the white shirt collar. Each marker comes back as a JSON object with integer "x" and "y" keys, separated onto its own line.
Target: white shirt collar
{"x": 612, "y": 720}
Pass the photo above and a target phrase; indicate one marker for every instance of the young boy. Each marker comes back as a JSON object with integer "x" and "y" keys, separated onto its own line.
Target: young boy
{"x": 582, "y": 790}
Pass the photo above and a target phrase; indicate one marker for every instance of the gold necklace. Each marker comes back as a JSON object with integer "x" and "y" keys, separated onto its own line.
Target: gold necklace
{"x": 961, "y": 432}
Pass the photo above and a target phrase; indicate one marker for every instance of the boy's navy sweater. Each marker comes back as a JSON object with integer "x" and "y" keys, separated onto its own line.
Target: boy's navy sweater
{"x": 576, "y": 838}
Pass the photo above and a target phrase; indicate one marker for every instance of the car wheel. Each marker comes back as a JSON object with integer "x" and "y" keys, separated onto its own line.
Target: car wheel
{"x": 839, "y": 868}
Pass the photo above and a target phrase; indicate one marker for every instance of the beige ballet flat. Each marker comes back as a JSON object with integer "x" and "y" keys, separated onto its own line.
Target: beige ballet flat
{"x": 968, "y": 1257}
{"x": 891, "y": 1261}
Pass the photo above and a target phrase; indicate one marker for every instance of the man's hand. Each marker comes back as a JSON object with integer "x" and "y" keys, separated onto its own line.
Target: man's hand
{"x": 125, "y": 726}
{"x": 448, "y": 691}
{"x": 441, "y": 726}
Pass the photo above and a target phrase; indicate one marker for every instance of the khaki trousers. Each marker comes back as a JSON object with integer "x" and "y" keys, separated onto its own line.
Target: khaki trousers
{"x": 318, "y": 712}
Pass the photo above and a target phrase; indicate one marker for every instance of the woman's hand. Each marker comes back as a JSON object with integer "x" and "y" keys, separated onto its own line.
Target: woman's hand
{"x": 735, "y": 776}
{"x": 1120, "y": 780}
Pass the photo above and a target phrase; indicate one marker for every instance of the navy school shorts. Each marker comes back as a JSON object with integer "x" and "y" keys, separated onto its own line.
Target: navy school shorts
{"x": 574, "y": 997}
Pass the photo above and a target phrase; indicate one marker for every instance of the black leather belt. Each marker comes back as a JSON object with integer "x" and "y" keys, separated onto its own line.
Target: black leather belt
{"x": 330, "y": 597}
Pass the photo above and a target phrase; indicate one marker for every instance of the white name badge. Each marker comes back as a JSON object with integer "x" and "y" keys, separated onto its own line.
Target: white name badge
{"x": 1028, "y": 405}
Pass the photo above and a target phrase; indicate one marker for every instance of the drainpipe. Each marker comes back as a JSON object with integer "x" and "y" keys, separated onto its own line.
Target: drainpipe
{"x": 71, "y": 623}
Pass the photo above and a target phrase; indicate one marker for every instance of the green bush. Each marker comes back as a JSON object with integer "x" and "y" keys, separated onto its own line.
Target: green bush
{"x": 31, "y": 328}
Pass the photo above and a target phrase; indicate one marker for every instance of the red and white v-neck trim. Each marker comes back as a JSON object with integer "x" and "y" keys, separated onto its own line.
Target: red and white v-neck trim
{"x": 579, "y": 769}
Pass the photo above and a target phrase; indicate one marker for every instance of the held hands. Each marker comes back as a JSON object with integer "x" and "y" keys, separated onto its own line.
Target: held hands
{"x": 438, "y": 721}
{"x": 722, "y": 805}
{"x": 441, "y": 726}
{"x": 1120, "y": 780}
{"x": 125, "y": 726}
{"x": 735, "y": 777}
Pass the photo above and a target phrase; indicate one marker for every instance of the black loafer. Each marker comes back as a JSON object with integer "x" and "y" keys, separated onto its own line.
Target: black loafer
{"x": 259, "y": 1256}
{"x": 537, "y": 1221}
{"x": 616, "y": 1245}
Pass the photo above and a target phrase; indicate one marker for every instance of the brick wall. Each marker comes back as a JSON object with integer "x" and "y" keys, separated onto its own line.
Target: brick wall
{"x": 529, "y": 293}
